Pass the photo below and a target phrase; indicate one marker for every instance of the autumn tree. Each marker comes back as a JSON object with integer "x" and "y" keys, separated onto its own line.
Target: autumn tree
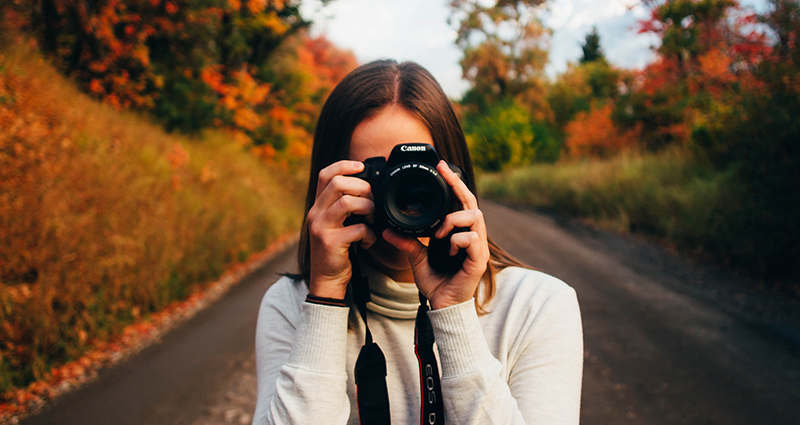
{"x": 191, "y": 64}
{"x": 589, "y": 83}
{"x": 305, "y": 69}
{"x": 756, "y": 140}
{"x": 504, "y": 48}
{"x": 595, "y": 134}
{"x": 505, "y": 135}
{"x": 704, "y": 64}
{"x": 505, "y": 51}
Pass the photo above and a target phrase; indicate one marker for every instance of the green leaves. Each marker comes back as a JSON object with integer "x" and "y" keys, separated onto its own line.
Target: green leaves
{"x": 506, "y": 135}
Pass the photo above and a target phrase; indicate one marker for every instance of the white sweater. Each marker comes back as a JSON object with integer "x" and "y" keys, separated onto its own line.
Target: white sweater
{"x": 519, "y": 364}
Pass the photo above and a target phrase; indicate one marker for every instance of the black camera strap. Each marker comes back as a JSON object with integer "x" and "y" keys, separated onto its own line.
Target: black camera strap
{"x": 432, "y": 410}
{"x": 370, "y": 373}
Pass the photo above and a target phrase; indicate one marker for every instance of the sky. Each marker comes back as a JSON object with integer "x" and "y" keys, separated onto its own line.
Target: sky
{"x": 417, "y": 30}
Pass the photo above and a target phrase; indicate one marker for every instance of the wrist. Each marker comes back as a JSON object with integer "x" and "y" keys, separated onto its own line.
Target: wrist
{"x": 321, "y": 288}
{"x": 438, "y": 304}
{"x": 337, "y": 302}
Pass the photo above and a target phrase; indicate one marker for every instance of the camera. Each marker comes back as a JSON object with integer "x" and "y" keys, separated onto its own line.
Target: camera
{"x": 412, "y": 198}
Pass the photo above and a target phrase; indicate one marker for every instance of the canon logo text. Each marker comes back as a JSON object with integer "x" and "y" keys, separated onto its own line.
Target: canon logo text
{"x": 412, "y": 148}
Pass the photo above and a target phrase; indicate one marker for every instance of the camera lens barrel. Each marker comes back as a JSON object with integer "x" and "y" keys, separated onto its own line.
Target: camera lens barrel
{"x": 416, "y": 198}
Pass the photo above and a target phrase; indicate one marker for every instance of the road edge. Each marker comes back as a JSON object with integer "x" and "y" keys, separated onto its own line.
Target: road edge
{"x": 71, "y": 376}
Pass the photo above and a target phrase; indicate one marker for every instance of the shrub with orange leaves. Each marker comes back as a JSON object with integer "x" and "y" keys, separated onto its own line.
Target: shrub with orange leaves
{"x": 594, "y": 134}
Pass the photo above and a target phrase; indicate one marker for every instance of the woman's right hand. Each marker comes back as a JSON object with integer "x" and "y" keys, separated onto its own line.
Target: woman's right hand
{"x": 338, "y": 196}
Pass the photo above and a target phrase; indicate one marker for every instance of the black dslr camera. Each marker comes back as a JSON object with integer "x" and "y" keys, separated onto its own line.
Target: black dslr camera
{"x": 412, "y": 198}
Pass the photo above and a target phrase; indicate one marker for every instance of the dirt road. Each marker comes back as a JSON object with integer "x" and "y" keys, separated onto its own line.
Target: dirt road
{"x": 666, "y": 341}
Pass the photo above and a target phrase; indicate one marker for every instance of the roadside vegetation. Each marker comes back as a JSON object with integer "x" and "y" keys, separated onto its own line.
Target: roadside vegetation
{"x": 105, "y": 218}
{"x": 666, "y": 195}
{"x": 698, "y": 148}
{"x": 135, "y": 169}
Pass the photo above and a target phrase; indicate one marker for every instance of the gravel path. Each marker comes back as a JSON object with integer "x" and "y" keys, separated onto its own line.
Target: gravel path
{"x": 667, "y": 341}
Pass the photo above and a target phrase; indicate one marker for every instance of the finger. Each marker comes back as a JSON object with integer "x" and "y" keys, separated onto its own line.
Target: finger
{"x": 335, "y": 240}
{"x": 413, "y": 248}
{"x": 344, "y": 207}
{"x": 477, "y": 250}
{"x": 469, "y": 219}
{"x": 344, "y": 167}
{"x": 358, "y": 233}
{"x": 342, "y": 185}
{"x": 468, "y": 200}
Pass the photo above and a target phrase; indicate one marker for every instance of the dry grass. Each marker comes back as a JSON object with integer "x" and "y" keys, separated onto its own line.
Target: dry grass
{"x": 105, "y": 218}
{"x": 667, "y": 195}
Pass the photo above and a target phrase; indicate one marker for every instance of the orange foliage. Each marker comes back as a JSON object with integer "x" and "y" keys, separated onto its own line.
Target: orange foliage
{"x": 92, "y": 232}
{"x": 594, "y": 134}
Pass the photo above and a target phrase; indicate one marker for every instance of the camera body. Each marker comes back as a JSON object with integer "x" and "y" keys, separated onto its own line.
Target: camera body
{"x": 410, "y": 195}
{"x": 412, "y": 198}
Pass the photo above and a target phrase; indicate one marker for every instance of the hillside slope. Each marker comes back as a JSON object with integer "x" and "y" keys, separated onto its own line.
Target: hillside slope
{"x": 106, "y": 219}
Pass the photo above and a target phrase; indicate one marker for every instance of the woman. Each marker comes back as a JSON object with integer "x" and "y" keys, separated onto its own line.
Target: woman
{"x": 508, "y": 339}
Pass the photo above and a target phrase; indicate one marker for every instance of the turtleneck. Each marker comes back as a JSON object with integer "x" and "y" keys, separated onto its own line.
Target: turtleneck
{"x": 398, "y": 300}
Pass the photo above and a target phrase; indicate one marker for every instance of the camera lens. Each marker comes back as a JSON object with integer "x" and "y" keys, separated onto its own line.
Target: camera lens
{"x": 416, "y": 199}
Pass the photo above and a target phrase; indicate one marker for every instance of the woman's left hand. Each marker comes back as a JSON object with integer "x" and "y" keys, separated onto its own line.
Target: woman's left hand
{"x": 444, "y": 291}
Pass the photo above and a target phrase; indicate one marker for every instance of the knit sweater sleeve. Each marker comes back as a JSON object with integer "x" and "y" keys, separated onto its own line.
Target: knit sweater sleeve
{"x": 543, "y": 384}
{"x": 300, "y": 360}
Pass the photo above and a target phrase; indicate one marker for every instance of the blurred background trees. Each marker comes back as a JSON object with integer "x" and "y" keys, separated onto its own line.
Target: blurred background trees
{"x": 106, "y": 219}
{"x": 195, "y": 65}
{"x": 504, "y": 111}
{"x": 723, "y": 91}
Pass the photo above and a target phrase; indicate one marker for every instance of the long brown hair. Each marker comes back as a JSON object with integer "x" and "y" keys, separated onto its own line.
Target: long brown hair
{"x": 361, "y": 95}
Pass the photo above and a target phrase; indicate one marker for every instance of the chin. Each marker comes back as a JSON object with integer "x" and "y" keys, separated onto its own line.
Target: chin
{"x": 388, "y": 256}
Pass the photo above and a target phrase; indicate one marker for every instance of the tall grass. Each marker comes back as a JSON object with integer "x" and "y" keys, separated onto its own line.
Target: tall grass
{"x": 105, "y": 218}
{"x": 668, "y": 195}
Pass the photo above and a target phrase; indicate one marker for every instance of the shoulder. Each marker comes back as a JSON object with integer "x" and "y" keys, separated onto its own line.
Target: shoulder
{"x": 284, "y": 297}
{"x": 530, "y": 295}
{"x": 527, "y": 283}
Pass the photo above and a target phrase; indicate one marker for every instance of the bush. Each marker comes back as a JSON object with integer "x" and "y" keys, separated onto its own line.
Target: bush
{"x": 506, "y": 135}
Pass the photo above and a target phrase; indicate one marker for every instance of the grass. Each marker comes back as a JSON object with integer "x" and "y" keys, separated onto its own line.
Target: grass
{"x": 105, "y": 218}
{"x": 667, "y": 195}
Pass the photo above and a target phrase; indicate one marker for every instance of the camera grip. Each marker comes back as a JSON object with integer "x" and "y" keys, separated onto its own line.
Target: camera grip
{"x": 439, "y": 256}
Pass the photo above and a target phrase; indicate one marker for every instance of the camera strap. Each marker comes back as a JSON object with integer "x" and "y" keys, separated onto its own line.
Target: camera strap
{"x": 370, "y": 372}
{"x": 432, "y": 407}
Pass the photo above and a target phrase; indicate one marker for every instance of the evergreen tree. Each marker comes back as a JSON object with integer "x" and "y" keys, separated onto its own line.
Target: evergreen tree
{"x": 591, "y": 48}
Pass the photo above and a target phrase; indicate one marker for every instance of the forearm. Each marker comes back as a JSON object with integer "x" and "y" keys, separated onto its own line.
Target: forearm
{"x": 543, "y": 383}
{"x": 472, "y": 386}
{"x": 306, "y": 384}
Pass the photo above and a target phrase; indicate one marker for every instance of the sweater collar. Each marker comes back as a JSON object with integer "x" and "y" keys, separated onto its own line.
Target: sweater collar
{"x": 398, "y": 300}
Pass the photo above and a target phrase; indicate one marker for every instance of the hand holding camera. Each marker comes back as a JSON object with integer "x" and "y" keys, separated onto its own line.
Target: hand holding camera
{"x": 337, "y": 198}
{"x": 467, "y": 234}
{"x": 408, "y": 195}
{"x": 412, "y": 198}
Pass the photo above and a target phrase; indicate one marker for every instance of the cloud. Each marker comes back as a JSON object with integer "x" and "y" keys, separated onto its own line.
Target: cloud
{"x": 414, "y": 30}
{"x": 417, "y": 30}
{"x": 571, "y": 20}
